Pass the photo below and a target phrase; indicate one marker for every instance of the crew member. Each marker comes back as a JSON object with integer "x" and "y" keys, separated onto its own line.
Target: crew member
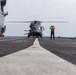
{"x": 52, "y": 29}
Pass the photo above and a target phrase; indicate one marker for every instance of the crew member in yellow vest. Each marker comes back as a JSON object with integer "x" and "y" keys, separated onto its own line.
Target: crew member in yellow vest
{"x": 52, "y": 29}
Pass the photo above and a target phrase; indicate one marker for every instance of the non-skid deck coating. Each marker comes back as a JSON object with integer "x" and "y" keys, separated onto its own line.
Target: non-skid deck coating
{"x": 35, "y": 60}
{"x": 9, "y": 45}
{"x": 62, "y": 47}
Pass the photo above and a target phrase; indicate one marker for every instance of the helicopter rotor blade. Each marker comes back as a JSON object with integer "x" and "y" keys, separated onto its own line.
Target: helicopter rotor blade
{"x": 18, "y": 21}
{"x": 38, "y": 21}
{"x": 54, "y": 21}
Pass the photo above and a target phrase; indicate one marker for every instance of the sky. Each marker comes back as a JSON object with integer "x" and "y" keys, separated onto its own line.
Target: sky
{"x": 42, "y": 10}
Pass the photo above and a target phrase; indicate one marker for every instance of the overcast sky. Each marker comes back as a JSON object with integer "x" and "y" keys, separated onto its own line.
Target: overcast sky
{"x": 42, "y": 10}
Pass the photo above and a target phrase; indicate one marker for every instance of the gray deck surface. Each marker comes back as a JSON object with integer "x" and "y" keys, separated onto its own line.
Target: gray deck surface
{"x": 28, "y": 58}
{"x": 9, "y": 45}
{"x": 64, "y": 48}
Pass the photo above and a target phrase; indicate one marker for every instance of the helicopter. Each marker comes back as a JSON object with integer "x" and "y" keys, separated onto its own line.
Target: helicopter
{"x": 35, "y": 27}
{"x": 2, "y": 17}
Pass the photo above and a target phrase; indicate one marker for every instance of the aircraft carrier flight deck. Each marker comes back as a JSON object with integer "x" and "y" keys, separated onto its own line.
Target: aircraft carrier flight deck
{"x": 37, "y": 56}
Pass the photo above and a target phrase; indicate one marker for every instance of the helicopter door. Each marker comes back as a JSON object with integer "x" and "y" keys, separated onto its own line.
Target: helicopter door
{"x": 42, "y": 28}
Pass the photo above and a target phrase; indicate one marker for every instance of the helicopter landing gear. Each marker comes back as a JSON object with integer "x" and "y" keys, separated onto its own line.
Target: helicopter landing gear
{"x": 28, "y": 36}
{"x": 41, "y": 36}
{"x": 1, "y": 35}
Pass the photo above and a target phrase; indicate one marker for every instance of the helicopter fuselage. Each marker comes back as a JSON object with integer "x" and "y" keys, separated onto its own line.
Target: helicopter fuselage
{"x": 35, "y": 29}
{"x": 2, "y": 17}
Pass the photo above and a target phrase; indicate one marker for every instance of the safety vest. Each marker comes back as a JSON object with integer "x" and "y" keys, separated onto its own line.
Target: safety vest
{"x": 52, "y": 28}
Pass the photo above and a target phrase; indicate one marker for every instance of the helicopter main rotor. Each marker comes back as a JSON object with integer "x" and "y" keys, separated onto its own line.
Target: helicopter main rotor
{"x": 37, "y": 21}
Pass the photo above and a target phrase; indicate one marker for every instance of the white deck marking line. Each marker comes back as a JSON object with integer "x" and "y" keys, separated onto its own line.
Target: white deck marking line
{"x": 35, "y": 60}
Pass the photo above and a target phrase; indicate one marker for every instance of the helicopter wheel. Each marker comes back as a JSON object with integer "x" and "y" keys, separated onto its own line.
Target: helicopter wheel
{"x": 33, "y": 36}
{"x": 28, "y": 36}
{"x": 40, "y": 36}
